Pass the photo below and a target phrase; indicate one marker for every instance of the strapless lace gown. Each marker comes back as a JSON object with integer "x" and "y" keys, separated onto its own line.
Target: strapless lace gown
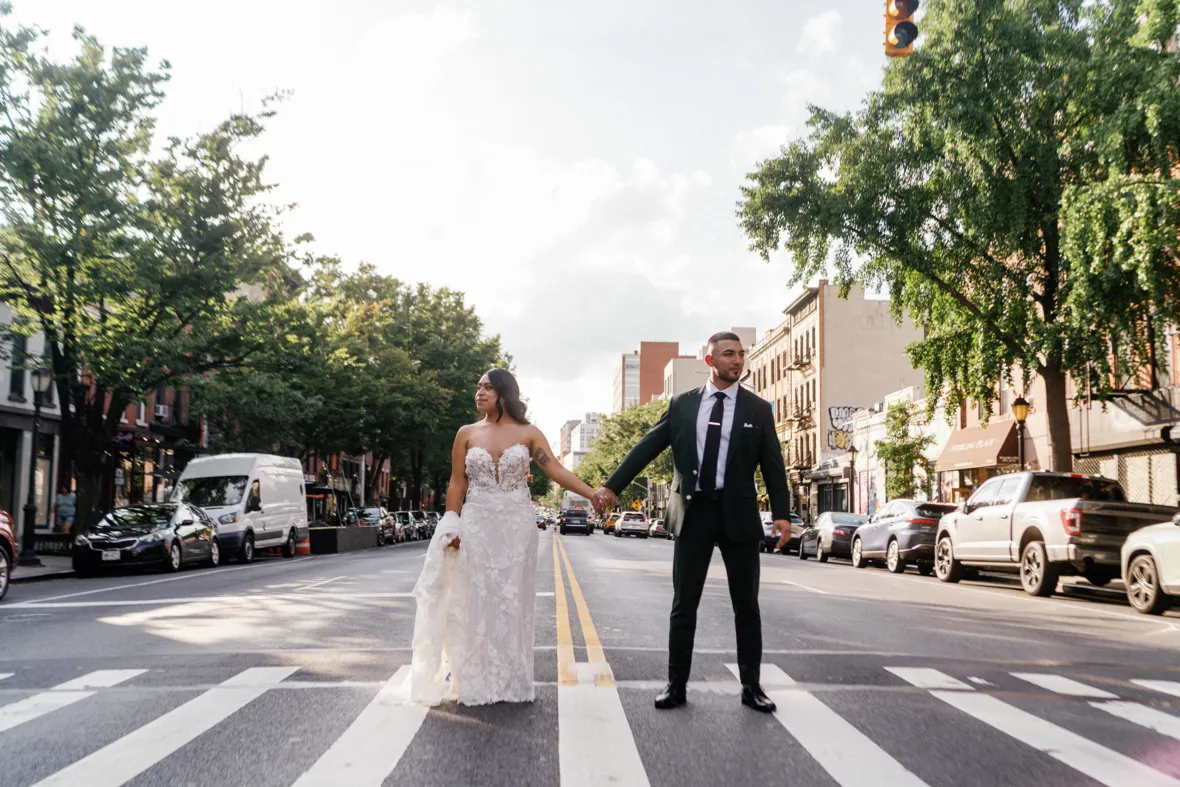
{"x": 476, "y": 608}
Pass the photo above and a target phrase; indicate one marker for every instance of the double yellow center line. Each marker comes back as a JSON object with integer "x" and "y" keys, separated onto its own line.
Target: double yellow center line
{"x": 567, "y": 671}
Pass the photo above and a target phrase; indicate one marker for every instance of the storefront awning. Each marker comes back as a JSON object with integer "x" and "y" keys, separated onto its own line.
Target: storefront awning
{"x": 991, "y": 446}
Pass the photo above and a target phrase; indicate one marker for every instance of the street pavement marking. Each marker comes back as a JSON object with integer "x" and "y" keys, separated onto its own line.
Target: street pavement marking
{"x": 590, "y": 715}
{"x": 565, "y": 637}
{"x": 1059, "y": 684}
{"x": 6, "y": 675}
{"x": 1152, "y": 719}
{"x": 374, "y": 743}
{"x": 1098, "y": 762}
{"x": 846, "y": 753}
{"x": 1165, "y": 686}
{"x": 926, "y": 678}
{"x": 321, "y": 582}
{"x": 594, "y": 652}
{"x": 62, "y": 695}
{"x": 805, "y": 587}
{"x": 251, "y": 600}
{"x": 131, "y": 755}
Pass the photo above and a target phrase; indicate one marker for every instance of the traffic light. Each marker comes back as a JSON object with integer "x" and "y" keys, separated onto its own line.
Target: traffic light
{"x": 900, "y": 30}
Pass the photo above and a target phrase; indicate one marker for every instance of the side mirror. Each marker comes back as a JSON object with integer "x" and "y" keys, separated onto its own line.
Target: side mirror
{"x": 186, "y": 523}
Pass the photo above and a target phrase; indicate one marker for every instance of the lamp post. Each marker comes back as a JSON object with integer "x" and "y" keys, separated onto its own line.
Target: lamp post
{"x": 41, "y": 379}
{"x": 852, "y": 507}
{"x": 1020, "y": 413}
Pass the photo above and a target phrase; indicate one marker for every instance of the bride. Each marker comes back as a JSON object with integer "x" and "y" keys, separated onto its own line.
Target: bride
{"x": 473, "y": 631}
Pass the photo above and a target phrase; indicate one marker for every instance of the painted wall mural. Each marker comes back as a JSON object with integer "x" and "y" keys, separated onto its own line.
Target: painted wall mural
{"x": 840, "y": 423}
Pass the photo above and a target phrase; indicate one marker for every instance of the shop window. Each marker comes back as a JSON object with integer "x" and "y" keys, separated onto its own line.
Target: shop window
{"x": 16, "y": 382}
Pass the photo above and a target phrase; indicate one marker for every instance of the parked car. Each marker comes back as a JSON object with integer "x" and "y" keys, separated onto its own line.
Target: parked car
{"x": 657, "y": 529}
{"x": 432, "y": 519}
{"x": 150, "y": 534}
{"x": 632, "y": 523}
{"x": 901, "y": 533}
{"x": 608, "y": 524}
{"x": 1150, "y": 561}
{"x": 1043, "y": 525}
{"x": 575, "y": 519}
{"x": 405, "y": 521}
{"x": 380, "y": 518}
{"x": 831, "y": 535}
{"x": 9, "y": 551}
{"x": 257, "y": 501}
{"x": 770, "y": 540}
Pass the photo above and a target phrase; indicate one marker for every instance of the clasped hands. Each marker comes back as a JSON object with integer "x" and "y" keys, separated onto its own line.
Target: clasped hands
{"x": 604, "y": 499}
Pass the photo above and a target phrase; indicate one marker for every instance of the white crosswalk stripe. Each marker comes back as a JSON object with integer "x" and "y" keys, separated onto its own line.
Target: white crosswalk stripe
{"x": 1165, "y": 686}
{"x": 1096, "y": 761}
{"x": 1059, "y": 684}
{"x": 135, "y": 752}
{"x": 845, "y": 752}
{"x": 62, "y": 695}
{"x": 6, "y": 675}
{"x": 372, "y": 746}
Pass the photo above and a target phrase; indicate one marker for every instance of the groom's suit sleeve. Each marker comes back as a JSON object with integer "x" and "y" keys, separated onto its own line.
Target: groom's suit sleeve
{"x": 643, "y": 454}
{"x": 774, "y": 471}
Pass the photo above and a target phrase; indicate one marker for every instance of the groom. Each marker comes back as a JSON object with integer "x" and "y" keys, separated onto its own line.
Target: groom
{"x": 718, "y": 435}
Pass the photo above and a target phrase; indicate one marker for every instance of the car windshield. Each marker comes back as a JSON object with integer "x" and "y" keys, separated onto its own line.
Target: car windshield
{"x": 212, "y": 491}
{"x": 137, "y": 518}
{"x": 371, "y": 513}
{"x": 1052, "y": 487}
{"x": 403, "y": 517}
{"x": 849, "y": 519}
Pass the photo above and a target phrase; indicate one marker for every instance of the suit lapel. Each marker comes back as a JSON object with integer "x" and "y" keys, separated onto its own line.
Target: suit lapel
{"x": 691, "y": 408}
{"x": 736, "y": 431}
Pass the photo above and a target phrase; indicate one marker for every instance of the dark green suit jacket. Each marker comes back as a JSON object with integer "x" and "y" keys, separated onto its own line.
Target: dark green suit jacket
{"x": 752, "y": 443}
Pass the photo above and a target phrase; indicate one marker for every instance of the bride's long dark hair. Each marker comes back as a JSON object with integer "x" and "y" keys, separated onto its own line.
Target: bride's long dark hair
{"x": 508, "y": 396}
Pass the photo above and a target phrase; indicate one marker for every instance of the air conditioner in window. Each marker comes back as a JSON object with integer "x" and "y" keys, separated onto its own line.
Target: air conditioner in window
{"x": 161, "y": 411}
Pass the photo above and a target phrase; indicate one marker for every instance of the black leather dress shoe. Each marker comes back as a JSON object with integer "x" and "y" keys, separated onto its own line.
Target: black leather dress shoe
{"x": 754, "y": 697}
{"x": 673, "y": 696}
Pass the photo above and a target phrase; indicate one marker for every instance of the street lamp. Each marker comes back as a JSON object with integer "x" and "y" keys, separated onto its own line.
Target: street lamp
{"x": 852, "y": 507}
{"x": 1020, "y": 413}
{"x": 41, "y": 379}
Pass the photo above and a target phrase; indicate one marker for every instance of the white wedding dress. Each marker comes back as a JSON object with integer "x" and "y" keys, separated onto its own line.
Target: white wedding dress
{"x": 473, "y": 631}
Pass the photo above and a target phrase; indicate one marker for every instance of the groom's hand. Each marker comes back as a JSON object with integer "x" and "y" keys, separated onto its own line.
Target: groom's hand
{"x": 782, "y": 529}
{"x": 605, "y": 499}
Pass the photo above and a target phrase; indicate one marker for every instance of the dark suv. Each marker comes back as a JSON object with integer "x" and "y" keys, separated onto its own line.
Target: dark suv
{"x": 575, "y": 519}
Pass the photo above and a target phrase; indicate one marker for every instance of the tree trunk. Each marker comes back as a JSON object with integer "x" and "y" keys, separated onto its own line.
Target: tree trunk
{"x": 416, "y": 474}
{"x": 1057, "y": 414}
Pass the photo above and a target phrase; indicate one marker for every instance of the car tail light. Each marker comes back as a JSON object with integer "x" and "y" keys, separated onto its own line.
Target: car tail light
{"x": 922, "y": 521}
{"x": 839, "y": 531}
{"x": 1071, "y": 520}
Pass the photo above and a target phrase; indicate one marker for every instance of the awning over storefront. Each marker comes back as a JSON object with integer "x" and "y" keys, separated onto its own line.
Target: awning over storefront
{"x": 991, "y": 446}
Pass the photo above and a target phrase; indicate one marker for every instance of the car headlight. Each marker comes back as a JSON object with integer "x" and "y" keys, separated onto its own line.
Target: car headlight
{"x": 153, "y": 538}
{"x": 82, "y": 541}
{"x": 228, "y": 519}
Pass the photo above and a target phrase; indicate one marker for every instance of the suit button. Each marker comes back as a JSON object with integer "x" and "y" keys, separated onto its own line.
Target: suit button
{"x": 689, "y": 497}
{"x": 694, "y": 472}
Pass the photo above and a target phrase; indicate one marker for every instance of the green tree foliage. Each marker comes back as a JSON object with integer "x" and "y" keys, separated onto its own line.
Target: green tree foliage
{"x": 141, "y": 271}
{"x": 903, "y": 452}
{"x": 1015, "y": 185}
{"x": 620, "y": 433}
{"x": 540, "y": 485}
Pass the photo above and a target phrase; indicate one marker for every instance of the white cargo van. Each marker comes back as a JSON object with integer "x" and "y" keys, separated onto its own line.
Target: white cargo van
{"x": 257, "y": 501}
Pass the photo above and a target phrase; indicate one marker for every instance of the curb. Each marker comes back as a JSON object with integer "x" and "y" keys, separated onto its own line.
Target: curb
{"x": 19, "y": 580}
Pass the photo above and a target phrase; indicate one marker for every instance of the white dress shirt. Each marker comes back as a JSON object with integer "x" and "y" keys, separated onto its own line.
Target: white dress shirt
{"x": 706, "y": 409}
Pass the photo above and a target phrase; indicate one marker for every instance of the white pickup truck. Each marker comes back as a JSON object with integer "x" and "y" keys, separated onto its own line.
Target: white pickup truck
{"x": 1044, "y": 524}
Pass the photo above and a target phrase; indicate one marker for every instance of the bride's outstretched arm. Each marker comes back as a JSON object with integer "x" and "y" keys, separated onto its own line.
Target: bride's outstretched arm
{"x": 539, "y": 448}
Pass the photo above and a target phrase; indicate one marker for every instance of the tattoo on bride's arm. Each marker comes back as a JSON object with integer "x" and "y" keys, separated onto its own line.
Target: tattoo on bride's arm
{"x": 542, "y": 457}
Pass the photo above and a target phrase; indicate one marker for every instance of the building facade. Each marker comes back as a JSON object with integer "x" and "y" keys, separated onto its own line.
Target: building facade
{"x": 582, "y": 439}
{"x": 639, "y": 377}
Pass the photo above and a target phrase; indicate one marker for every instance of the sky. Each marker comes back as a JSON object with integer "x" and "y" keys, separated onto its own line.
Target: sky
{"x": 573, "y": 168}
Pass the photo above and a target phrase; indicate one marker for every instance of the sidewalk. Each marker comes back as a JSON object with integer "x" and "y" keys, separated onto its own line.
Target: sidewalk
{"x": 55, "y": 567}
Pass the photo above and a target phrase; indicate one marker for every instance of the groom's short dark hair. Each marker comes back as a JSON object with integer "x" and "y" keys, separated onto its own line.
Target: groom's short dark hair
{"x": 724, "y": 336}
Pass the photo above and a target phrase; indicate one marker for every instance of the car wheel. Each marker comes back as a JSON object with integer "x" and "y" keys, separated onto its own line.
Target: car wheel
{"x": 946, "y": 568}
{"x": 380, "y": 537}
{"x": 246, "y": 555}
{"x": 214, "y": 554}
{"x": 5, "y": 572}
{"x": 289, "y": 544}
{"x": 820, "y": 554}
{"x": 893, "y": 559}
{"x": 1037, "y": 575}
{"x": 562, "y": 530}
{"x": 858, "y": 560}
{"x": 802, "y": 552}
{"x": 175, "y": 558}
{"x": 925, "y": 569}
{"x": 1143, "y": 587}
{"x": 82, "y": 569}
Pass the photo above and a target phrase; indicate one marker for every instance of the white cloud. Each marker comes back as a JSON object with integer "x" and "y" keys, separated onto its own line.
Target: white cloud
{"x": 756, "y": 144}
{"x": 820, "y": 33}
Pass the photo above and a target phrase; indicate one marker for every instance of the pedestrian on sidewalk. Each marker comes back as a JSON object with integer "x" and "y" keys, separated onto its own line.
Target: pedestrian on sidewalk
{"x": 65, "y": 508}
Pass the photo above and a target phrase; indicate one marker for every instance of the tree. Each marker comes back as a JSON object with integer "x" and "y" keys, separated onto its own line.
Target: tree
{"x": 903, "y": 452}
{"x": 620, "y": 433}
{"x": 1014, "y": 185}
{"x": 540, "y": 485}
{"x": 141, "y": 272}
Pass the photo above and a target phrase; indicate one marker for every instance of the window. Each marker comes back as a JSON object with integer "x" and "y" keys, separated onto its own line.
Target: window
{"x": 212, "y": 491}
{"x": 1006, "y": 492}
{"x": 985, "y": 495}
{"x": 1053, "y": 487}
{"x": 141, "y": 414}
{"x": 16, "y": 383}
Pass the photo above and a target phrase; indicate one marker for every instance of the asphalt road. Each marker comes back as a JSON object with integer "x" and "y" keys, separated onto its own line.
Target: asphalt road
{"x": 291, "y": 672}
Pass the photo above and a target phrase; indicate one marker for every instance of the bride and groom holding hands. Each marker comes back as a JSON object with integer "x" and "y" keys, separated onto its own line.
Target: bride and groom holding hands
{"x": 473, "y": 630}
